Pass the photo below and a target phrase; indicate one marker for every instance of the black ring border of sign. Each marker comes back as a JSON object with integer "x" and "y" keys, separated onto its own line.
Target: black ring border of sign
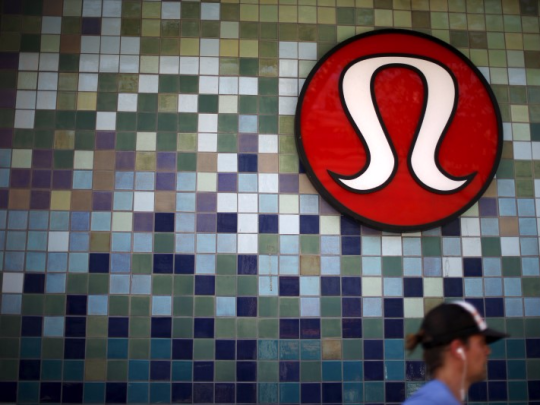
{"x": 339, "y": 206}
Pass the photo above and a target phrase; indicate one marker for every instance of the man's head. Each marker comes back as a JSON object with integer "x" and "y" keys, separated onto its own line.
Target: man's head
{"x": 455, "y": 329}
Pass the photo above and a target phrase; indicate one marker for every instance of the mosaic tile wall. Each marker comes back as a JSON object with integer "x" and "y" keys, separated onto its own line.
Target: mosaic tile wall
{"x": 161, "y": 243}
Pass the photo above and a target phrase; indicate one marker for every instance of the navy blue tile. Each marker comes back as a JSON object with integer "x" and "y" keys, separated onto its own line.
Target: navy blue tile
{"x": 246, "y": 349}
{"x": 289, "y": 328}
{"x": 393, "y": 329}
{"x": 268, "y": 223}
{"x": 98, "y": 263}
{"x": 351, "y": 307}
{"x": 116, "y": 393}
{"x": 453, "y": 228}
{"x": 532, "y": 347}
{"x": 227, "y": 182}
{"x": 72, "y": 393}
{"x": 453, "y": 287}
{"x": 496, "y": 370}
{"x": 203, "y": 371}
{"x": 478, "y": 303}
{"x": 472, "y": 267}
{"x": 310, "y": 328}
{"x": 246, "y": 393}
{"x": 395, "y": 391}
{"x": 413, "y": 287}
{"x": 352, "y": 327}
{"x": 225, "y": 393}
{"x": 29, "y": 369}
{"x": 310, "y": 393}
{"x": 227, "y": 222}
{"x": 75, "y": 326}
{"x": 309, "y": 224}
{"x": 161, "y": 327}
{"x": 205, "y": 285}
{"x": 247, "y": 264}
{"x": 415, "y": 371}
{"x": 184, "y": 264}
{"x": 164, "y": 222}
{"x": 246, "y": 306}
{"x": 204, "y": 327}
{"x": 8, "y": 391}
{"x": 225, "y": 350}
{"x": 160, "y": 370}
{"x": 34, "y": 283}
{"x": 534, "y": 389}
{"x": 350, "y": 245}
{"x": 349, "y": 226}
{"x": 497, "y": 391}
{"x": 50, "y": 392}
{"x": 76, "y": 304}
{"x": 31, "y": 326}
{"x": 289, "y": 286}
{"x": 330, "y": 286}
{"x": 163, "y": 264}
{"x": 494, "y": 307}
{"x": 373, "y": 370}
{"x": 393, "y": 307}
{"x": 246, "y": 371}
{"x": 487, "y": 207}
{"x": 118, "y": 327}
{"x": 182, "y": 392}
{"x": 478, "y": 392}
{"x": 351, "y": 286}
{"x": 182, "y": 349}
{"x": 332, "y": 393}
{"x": 74, "y": 348}
{"x": 373, "y": 349}
{"x": 247, "y": 163}
{"x": 289, "y": 371}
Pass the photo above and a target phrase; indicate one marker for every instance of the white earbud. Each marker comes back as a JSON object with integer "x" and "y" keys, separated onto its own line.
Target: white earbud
{"x": 461, "y": 352}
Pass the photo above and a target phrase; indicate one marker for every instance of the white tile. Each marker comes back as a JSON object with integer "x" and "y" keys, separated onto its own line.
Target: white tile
{"x": 453, "y": 266}
{"x": 26, "y": 100}
{"x": 288, "y": 87}
{"x": 130, "y": 45}
{"x": 287, "y": 105}
{"x": 310, "y": 306}
{"x": 88, "y": 82}
{"x": 90, "y": 44}
{"x": 247, "y": 202}
{"x": 247, "y": 243}
{"x": 188, "y": 103}
{"x": 112, "y": 8}
{"x": 47, "y": 81}
{"x": 228, "y": 85}
{"x": 109, "y": 63}
{"x": 307, "y": 50}
{"x": 146, "y": 141}
{"x": 106, "y": 120}
{"x": 228, "y": 104}
{"x": 227, "y": 202}
{"x": 522, "y": 150}
{"x": 129, "y": 64}
{"x": 209, "y": 47}
{"x": 169, "y": 64}
{"x": 310, "y": 285}
{"x": 148, "y": 83}
{"x": 28, "y": 61}
{"x": 209, "y": 66}
{"x": 13, "y": 283}
{"x": 288, "y": 50}
{"x": 110, "y": 45}
{"x": 248, "y": 223}
{"x": 143, "y": 201}
{"x": 83, "y": 159}
{"x": 210, "y": 11}
{"x": 517, "y": 76}
{"x": 208, "y": 84}
{"x": 207, "y": 122}
{"x": 51, "y": 25}
{"x": 248, "y": 86}
{"x": 91, "y": 8}
{"x": 49, "y": 62}
{"x": 170, "y": 11}
{"x": 89, "y": 63}
{"x": 111, "y": 26}
{"x": 21, "y": 158}
{"x": 46, "y": 100}
{"x": 289, "y": 204}
{"x": 227, "y": 162}
{"x": 189, "y": 65}
{"x": 470, "y": 227}
{"x": 58, "y": 241}
{"x": 536, "y": 150}
{"x": 268, "y": 144}
{"x": 510, "y": 246}
{"x": 127, "y": 102}
{"x": 268, "y": 183}
{"x": 24, "y": 119}
{"x": 288, "y": 68}
{"x": 289, "y": 224}
{"x": 471, "y": 247}
{"x": 330, "y": 225}
{"x": 391, "y": 246}
{"x": 207, "y": 143}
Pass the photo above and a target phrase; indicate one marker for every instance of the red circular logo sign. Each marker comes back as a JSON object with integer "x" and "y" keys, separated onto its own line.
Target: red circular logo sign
{"x": 398, "y": 130}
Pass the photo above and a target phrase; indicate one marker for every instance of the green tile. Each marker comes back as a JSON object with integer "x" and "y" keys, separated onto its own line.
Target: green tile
{"x": 190, "y": 29}
{"x": 65, "y": 119}
{"x": 246, "y": 328}
{"x": 139, "y": 327}
{"x": 8, "y": 79}
{"x": 169, "y": 84}
{"x": 268, "y": 328}
{"x": 268, "y": 49}
{"x": 9, "y": 370}
{"x": 117, "y": 370}
{"x": 163, "y": 243}
{"x": 9, "y": 347}
{"x": 77, "y": 284}
{"x": 307, "y": 32}
{"x": 530, "y": 287}
{"x": 516, "y": 326}
{"x": 166, "y": 141}
{"x": 268, "y": 244}
{"x": 392, "y": 266}
{"x": 204, "y": 306}
{"x": 52, "y": 348}
{"x": 130, "y": 27}
{"x": 345, "y": 15}
{"x": 167, "y": 122}
{"x": 351, "y": 265}
{"x": 150, "y": 46}
{"x": 210, "y": 29}
{"x": 225, "y": 370}
{"x": 32, "y": 304}
{"x": 43, "y": 138}
{"x": 249, "y": 66}
{"x": 63, "y": 159}
{"x": 162, "y": 284}
{"x": 118, "y": 305}
{"x": 268, "y": 306}
{"x": 85, "y": 120}
{"x": 139, "y": 349}
{"x": 309, "y": 244}
{"x": 330, "y": 328}
{"x": 247, "y": 104}
{"x": 267, "y": 370}
{"x": 23, "y": 139}
{"x": 289, "y": 307}
{"x": 183, "y": 285}
{"x": 525, "y": 188}
{"x": 7, "y": 118}
{"x": 247, "y": 285}
{"x": 431, "y": 246}
{"x": 44, "y": 119}
{"x": 98, "y": 284}
{"x": 226, "y": 286}
{"x": 331, "y": 306}
{"x": 511, "y": 266}
{"x": 310, "y": 371}
{"x": 229, "y": 12}
{"x": 532, "y": 327}
{"x": 187, "y": 122}
{"x": 96, "y": 348}
{"x": 183, "y": 306}
{"x": 506, "y": 169}
{"x": 97, "y": 326}
{"x": 225, "y": 328}
{"x": 208, "y": 103}
{"x": 203, "y": 349}
{"x": 107, "y": 82}
{"x": 141, "y": 263}
{"x": 107, "y": 101}
{"x": 10, "y": 325}
{"x": 249, "y": 30}
{"x": 126, "y": 141}
{"x": 140, "y": 306}
{"x": 147, "y": 102}
{"x": 268, "y": 105}
{"x": 327, "y": 33}
{"x": 227, "y": 142}
{"x": 30, "y": 43}
{"x": 288, "y": 32}
{"x": 373, "y": 328}
{"x": 55, "y": 305}
{"x": 186, "y": 162}
{"x": 189, "y": 84}
{"x": 352, "y": 349}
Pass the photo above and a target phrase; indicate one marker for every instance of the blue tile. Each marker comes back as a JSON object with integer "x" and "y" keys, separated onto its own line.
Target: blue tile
{"x": 161, "y": 327}
{"x": 116, "y": 392}
{"x": 36, "y": 261}
{"x": 122, "y": 201}
{"x": 227, "y": 222}
{"x": 289, "y": 371}
{"x": 394, "y": 349}
{"x": 289, "y": 328}
{"x": 186, "y": 181}
{"x": 413, "y": 287}
{"x": 182, "y": 349}
{"x": 330, "y": 245}
{"x": 74, "y": 348}
{"x": 268, "y": 223}
{"x": 246, "y": 306}
{"x": 247, "y": 163}
{"x": 163, "y": 264}
{"x": 497, "y": 391}
{"x": 138, "y": 370}
{"x": 98, "y": 263}
{"x": 289, "y": 286}
{"x": 393, "y": 328}
{"x": 59, "y": 220}
{"x": 373, "y": 349}
{"x": 184, "y": 264}
{"x": 31, "y": 326}
{"x": 350, "y": 245}
{"x": 248, "y": 183}
{"x": 205, "y": 285}
{"x": 513, "y": 307}
{"x": 160, "y": 349}
{"x": 18, "y": 219}
{"x": 372, "y": 307}
{"x": 185, "y": 202}
{"x": 289, "y": 350}
{"x": 289, "y": 244}
{"x": 395, "y": 391}
{"x": 144, "y": 181}
{"x": 289, "y": 393}
{"x": 246, "y": 371}
{"x": 351, "y": 327}
{"x": 309, "y": 224}
{"x": 349, "y": 226}
{"x": 310, "y": 349}
{"x": 225, "y": 393}
{"x": 351, "y": 286}
{"x": 75, "y": 326}
{"x": 247, "y": 264}
{"x": 246, "y": 393}
{"x": 38, "y": 220}
{"x": 373, "y": 370}
{"x": 160, "y": 370}
{"x": 34, "y": 283}
{"x": 507, "y": 207}
{"x": 453, "y": 228}
{"x": 11, "y": 304}
{"x": 310, "y": 393}
{"x": 225, "y": 349}
{"x": 204, "y": 327}
{"x": 331, "y": 371}
{"x": 526, "y": 207}
{"x": 393, "y": 307}
{"x": 351, "y": 307}
{"x": 332, "y": 393}
{"x": 453, "y": 287}
{"x": 182, "y": 392}
{"x": 494, "y": 307}
{"x": 82, "y": 180}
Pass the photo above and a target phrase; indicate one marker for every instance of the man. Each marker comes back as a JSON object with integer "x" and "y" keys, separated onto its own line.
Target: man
{"x": 455, "y": 340}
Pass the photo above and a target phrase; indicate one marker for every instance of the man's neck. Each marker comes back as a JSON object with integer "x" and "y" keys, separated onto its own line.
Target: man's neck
{"x": 453, "y": 380}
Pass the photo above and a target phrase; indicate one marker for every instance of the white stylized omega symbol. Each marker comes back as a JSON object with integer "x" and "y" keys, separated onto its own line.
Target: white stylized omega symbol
{"x": 440, "y": 100}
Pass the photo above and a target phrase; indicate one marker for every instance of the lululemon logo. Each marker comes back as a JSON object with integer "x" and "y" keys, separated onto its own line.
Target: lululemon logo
{"x": 398, "y": 130}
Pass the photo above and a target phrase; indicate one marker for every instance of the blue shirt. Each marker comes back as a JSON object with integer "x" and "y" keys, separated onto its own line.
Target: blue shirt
{"x": 434, "y": 392}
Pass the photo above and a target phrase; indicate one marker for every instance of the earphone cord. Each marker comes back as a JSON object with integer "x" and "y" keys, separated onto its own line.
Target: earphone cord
{"x": 462, "y": 390}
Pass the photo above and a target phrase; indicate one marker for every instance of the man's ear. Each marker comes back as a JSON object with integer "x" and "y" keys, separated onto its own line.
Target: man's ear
{"x": 457, "y": 349}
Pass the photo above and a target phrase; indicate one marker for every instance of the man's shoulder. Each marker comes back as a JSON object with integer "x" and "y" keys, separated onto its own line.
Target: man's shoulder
{"x": 434, "y": 392}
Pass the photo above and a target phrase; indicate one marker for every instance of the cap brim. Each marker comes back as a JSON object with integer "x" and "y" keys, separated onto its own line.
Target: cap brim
{"x": 493, "y": 335}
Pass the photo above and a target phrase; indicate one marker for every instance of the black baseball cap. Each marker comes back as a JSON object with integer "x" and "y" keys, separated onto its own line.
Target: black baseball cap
{"x": 455, "y": 320}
